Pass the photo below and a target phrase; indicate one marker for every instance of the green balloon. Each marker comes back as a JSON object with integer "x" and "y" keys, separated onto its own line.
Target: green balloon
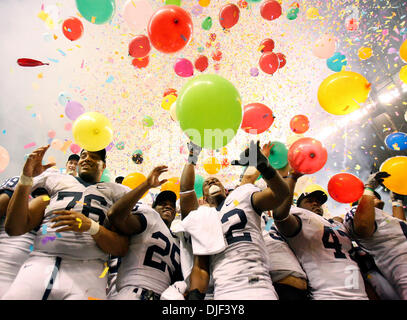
{"x": 278, "y": 155}
{"x": 96, "y": 11}
{"x": 253, "y": 1}
{"x": 207, "y": 23}
{"x": 148, "y": 121}
{"x": 105, "y": 176}
{"x": 209, "y": 111}
{"x": 173, "y": 2}
{"x": 199, "y": 180}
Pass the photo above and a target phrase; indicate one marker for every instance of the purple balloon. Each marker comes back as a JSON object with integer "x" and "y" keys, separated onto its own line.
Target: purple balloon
{"x": 73, "y": 110}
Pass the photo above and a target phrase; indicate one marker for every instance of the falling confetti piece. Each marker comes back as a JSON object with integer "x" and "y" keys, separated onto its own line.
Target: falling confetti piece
{"x": 80, "y": 222}
{"x": 104, "y": 271}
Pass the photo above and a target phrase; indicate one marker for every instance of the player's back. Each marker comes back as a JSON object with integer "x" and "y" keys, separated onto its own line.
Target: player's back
{"x": 153, "y": 259}
{"x": 323, "y": 248}
{"x": 241, "y": 271}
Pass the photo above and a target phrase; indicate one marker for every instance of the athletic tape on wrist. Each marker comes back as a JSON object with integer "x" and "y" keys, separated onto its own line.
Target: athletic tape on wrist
{"x": 368, "y": 192}
{"x": 397, "y": 203}
{"x": 94, "y": 227}
{"x": 185, "y": 192}
{"x": 26, "y": 181}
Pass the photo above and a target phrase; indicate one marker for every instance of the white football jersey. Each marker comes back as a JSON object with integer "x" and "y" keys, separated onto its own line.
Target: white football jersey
{"x": 323, "y": 248}
{"x": 387, "y": 245}
{"x": 241, "y": 270}
{"x": 153, "y": 259}
{"x": 13, "y": 250}
{"x": 67, "y": 192}
{"x": 282, "y": 261}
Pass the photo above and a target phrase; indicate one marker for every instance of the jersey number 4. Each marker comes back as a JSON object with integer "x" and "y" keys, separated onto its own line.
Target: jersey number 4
{"x": 334, "y": 244}
{"x": 163, "y": 252}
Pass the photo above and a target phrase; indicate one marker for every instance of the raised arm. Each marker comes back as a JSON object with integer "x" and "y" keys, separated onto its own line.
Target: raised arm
{"x": 397, "y": 206}
{"x": 277, "y": 189}
{"x": 287, "y": 224}
{"x": 21, "y": 217}
{"x": 199, "y": 278}
{"x": 120, "y": 213}
{"x": 188, "y": 200}
{"x": 364, "y": 218}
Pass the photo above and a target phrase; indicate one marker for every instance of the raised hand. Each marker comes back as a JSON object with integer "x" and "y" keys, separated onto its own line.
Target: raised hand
{"x": 33, "y": 166}
{"x": 375, "y": 179}
{"x": 194, "y": 151}
{"x": 152, "y": 178}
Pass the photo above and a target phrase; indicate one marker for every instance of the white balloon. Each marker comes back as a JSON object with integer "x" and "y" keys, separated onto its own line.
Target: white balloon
{"x": 137, "y": 14}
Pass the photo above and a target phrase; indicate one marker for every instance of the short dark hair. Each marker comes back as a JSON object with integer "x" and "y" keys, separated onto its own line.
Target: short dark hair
{"x": 119, "y": 179}
{"x": 101, "y": 153}
{"x": 74, "y": 157}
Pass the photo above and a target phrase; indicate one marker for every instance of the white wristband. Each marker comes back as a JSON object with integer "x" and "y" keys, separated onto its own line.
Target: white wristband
{"x": 26, "y": 181}
{"x": 397, "y": 203}
{"x": 189, "y": 191}
{"x": 368, "y": 192}
{"x": 94, "y": 227}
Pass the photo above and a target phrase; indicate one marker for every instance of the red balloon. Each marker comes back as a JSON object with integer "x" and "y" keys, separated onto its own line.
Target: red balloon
{"x": 257, "y": 116}
{"x": 281, "y": 60}
{"x": 217, "y": 55}
{"x": 267, "y": 45}
{"x": 229, "y": 15}
{"x": 141, "y": 62}
{"x": 72, "y": 28}
{"x": 307, "y": 155}
{"x": 201, "y": 63}
{"x": 269, "y": 62}
{"x": 299, "y": 124}
{"x": 139, "y": 47}
{"x": 270, "y": 10}
{"x": 345, "y": 188}
{"x": 170, "y": 28}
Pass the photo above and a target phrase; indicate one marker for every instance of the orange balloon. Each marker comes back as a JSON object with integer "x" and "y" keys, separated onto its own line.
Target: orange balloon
{"x": 212, "y": 165}
{"x": 133, "y": 180}
{"x": 173, "y": 184}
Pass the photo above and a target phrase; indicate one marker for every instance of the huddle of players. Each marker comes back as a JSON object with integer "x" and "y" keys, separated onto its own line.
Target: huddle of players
{"x": 60, "y": 232}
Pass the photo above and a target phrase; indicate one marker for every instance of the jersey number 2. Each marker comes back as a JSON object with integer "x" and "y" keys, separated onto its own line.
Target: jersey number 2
{"x": 237, "y": 226}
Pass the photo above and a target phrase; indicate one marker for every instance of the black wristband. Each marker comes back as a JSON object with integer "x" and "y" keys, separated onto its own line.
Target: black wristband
{"x": 266, "y": 170}
{"x": 195, "y": 295}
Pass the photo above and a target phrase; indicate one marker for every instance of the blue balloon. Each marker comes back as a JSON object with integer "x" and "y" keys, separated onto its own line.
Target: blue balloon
{"x": 336, "y": 62}
{"x": 64, "y": 98}
{"x": 396, "y": 141}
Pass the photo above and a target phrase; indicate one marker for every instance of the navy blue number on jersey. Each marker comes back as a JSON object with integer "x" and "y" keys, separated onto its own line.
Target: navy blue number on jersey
{"x": 10, "y": 183}
{"x": 275, "y": 234}
{"x": 87, "y": 208}
{"x": 236, "y": 226}
{"x": 403, "y": 226}
{"x": 167, "y": 250}
{"x": 334, "y": 244}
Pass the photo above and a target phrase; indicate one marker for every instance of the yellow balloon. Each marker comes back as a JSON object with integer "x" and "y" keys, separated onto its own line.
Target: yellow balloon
{"x": 133, "y": 180}
{"x": 168, "y": 101}
{"x": 365, "y": 53}
{"x": 173, "y": 184}
{"x": 92, "y": 131}
{"x": 173, "y": 112}
{"x": 314, "y": 187}
{"x": 403, "y": 51}
{"x": 212, "y": 165}
{"x": 204, "y": 3}
{"x": 341, "y": 92}
{"x": 397, "y": 168}
{"x": 312, "y": 13}
{"x": 403, "y": 74}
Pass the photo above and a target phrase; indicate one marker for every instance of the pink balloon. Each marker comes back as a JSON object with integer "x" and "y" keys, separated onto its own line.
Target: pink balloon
{"x": 307, "y": 155}
{"x": 4, "y": 159}
{"x": 73, "y": 110}
{"x": 184, "y": 68}
{"x": 325, "y": 47}
{"x": 68, "y": 126}
{"x": 75, "y": 148}
{"x": 52, "y": 134}
{"x": 137, "y": 14}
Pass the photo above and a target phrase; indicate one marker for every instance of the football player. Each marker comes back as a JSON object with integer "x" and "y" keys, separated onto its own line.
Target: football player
{"x": 74, "y": 238}
{"x": 152, "y": 263}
